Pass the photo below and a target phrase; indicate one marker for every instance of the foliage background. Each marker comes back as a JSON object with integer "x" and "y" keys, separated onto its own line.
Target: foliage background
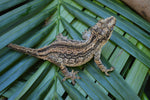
{"x": 35, "y": 23}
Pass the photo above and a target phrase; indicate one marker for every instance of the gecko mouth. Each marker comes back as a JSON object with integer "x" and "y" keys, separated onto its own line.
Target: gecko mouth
{"x": 111, "y": 28}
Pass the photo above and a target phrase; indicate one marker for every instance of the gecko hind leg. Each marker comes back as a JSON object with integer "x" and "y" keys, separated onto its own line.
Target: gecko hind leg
{"x": 69, "y": 75}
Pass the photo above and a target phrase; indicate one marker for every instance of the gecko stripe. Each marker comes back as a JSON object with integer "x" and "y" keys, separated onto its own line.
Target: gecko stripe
{"x": 66, "y": 46}
{"x": 75, "y": 56}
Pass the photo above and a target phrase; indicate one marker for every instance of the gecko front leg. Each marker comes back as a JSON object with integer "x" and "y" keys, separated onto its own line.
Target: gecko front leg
{"x": 86, "y": 34}
{"x": 60, "y": 37}
{"x": 69, "y": 75}
{"x": 100, "y": 65}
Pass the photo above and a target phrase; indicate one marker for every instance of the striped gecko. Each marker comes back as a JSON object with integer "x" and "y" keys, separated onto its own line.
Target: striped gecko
{"x": 72, "y": 53}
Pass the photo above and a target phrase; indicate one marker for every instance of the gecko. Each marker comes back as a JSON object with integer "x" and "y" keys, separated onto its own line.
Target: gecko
{"x": 72, "y": 53}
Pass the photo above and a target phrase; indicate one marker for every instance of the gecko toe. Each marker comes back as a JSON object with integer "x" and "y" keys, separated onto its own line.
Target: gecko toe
{"x": 109, "y": 70}
{"x": 106, "y": 73}
{"x": 72, "y": 76}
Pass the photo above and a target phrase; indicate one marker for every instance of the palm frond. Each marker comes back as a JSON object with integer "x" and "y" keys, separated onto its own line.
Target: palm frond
{"x": 36, "y": 24}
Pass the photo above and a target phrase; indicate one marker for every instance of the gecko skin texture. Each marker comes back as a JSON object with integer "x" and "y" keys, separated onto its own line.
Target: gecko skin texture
{"x": 72, "y": 53}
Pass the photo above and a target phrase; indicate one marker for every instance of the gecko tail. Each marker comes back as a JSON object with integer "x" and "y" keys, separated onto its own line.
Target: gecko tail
{"x": 29, "y": 51}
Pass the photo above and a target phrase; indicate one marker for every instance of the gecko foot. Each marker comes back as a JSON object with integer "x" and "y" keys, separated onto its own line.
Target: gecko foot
{"x": 108, "y": 70}
{"x": 72, "y": 76}
{"x": 60, "y": 37}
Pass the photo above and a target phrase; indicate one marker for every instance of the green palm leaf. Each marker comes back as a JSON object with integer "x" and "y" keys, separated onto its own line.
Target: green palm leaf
{"x": 24, "y": 77}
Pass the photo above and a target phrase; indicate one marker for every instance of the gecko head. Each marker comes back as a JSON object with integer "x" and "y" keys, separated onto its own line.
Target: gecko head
{"x": 103, "y": 28}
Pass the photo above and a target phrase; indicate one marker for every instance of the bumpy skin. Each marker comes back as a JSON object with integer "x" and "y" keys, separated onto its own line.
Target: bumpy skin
{"x": 64, "y": 52}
